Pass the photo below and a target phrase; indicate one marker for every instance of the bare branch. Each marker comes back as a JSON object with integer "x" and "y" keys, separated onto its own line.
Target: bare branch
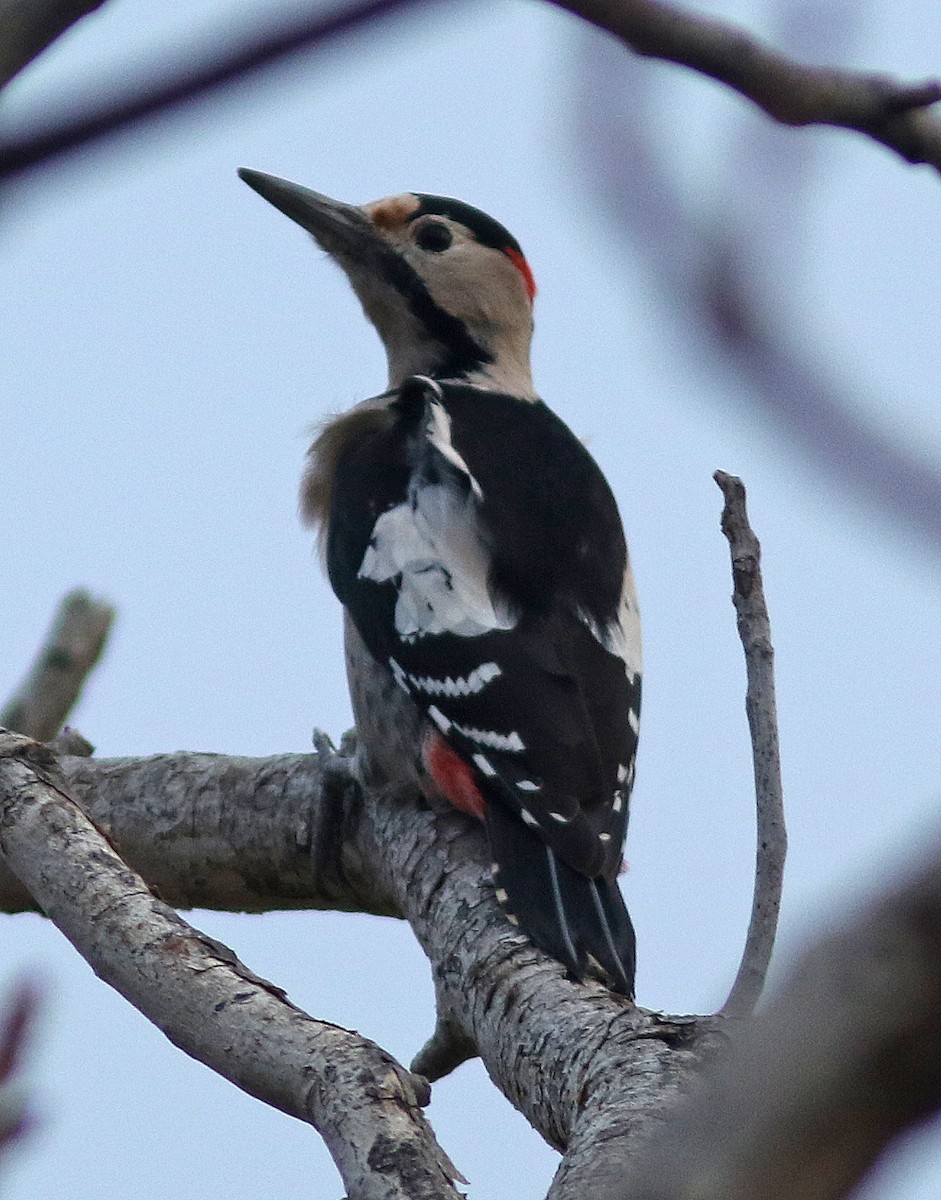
{"x": 754, "y": 629}
{"x": 227, "y": 833}
{"x": 845, "y": 1058}
{"x": 889, "y": 111}
{"x": 72, "y": 647}
{"x": 27, "y": 27}
{"x": 63, "y": 132}
{"x": 286, "y": 832}
{"x": 16, "y": 1021}
{"x": 444, "y": 1051}
{"x": 70, "y": 742}
{"x": 364, "y": 1104}
{"x": 713, "y": 281}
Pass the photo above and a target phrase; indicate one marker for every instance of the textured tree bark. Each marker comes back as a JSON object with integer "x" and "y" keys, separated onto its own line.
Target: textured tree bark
{"x": 593, "y": 1073}
{"x": 844, "y": 1059}
{"x": 366, "y": 1107}
{"x": 297, "y": 832}
{"x": 68, "y": 655}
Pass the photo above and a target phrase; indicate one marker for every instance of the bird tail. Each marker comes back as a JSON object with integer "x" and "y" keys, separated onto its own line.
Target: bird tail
{"x": 582, "y": 922}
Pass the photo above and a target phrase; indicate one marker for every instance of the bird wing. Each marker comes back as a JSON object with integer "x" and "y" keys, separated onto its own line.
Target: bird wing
{"x": 461, "y": 574}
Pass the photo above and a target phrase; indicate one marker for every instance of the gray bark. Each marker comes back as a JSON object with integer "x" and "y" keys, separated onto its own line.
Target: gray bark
{"x": 844, "y": 1059}
{"x": 54, "y": 682}
{"x": 754, "y": 630}
{"x": 366, "y": 1107}
{"x": 297, "y": 832}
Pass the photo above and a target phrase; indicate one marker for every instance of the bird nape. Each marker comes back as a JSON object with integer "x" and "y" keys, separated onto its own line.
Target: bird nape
{"x": 492, "y": 632}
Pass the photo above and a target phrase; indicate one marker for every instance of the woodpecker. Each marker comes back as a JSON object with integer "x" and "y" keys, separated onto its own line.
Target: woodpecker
{"x": 491, "y": 625}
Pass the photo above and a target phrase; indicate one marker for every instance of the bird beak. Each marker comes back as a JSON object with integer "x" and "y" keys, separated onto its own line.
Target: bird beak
{"x": 345, "y": 231}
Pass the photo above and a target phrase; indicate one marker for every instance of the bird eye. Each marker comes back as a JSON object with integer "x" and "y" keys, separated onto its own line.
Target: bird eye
{"x": 434, "y": 236}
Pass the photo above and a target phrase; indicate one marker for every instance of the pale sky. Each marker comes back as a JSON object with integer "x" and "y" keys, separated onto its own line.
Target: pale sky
{"x": 166, "y": 342}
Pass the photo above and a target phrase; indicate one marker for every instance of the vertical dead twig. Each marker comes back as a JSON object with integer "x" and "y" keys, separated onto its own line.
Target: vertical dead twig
{"x": 54, "y": 682}
{"x": 754, "y": 629}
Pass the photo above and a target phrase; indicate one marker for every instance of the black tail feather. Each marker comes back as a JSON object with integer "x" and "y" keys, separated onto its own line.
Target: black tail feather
{"x": 581, "y": 922}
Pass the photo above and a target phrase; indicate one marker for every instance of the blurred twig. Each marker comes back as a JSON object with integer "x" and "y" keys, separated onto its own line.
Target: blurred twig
{"x": 755, "y": 631}
{"x": 63, "y": 132}
{"x": 891, "y": 112}
{"x": 16, "y": 1021}
{"x": 54, "y": 683}
{"x": 703, "y": 259}
{"x": 27, "y": 27}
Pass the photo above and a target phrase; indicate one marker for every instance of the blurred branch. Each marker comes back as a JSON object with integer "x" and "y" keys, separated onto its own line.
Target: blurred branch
{"x": 54, "y": 683}
{"x": 846, "y": 1057}
{"x": 62, "y": 132}
{"x": 887, "y": 110}
{"x": 16, "y": 1021}
{"x": 27, "y": 27}
{"x": 207, "y": 1003}
{"x": 719, "y": 291}
{"x": 755, "y": 631}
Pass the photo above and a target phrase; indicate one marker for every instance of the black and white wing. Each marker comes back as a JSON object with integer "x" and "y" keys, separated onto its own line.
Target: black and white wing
{"x": 478, "y": 550}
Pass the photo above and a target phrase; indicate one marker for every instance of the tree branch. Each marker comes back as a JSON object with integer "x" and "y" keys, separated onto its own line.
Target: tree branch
{"x": 590, "y": 1071}
{"x": 596, "y": 1075}
{"x": 887, "y": 110}
{"x": 197, "y": 992}
{"x": 27, "y": 27}
{"x": 755, "y": 631}
{"x": 569, "y": 1056}
{"x": 54, "y": 682}
{"x": 732, "y": 304}
{"x": 62, "y": 133}
{"x": 227, "y": 833}
{"x": 16, "y": 1021}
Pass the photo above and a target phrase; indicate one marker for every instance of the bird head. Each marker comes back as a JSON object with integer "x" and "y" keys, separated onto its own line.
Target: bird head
{"x": 446, "y": 286}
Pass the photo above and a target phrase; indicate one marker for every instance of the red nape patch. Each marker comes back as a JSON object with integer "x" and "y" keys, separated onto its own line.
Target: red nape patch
{"x": 453, "y": 777}
{"x": 523, "y": 267}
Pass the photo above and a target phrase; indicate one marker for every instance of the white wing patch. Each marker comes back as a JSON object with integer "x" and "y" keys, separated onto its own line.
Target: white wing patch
{"x": 430, "y": 544}
{"x": 490, "y": 737}
{"x": 461, "y": 685}
{"x": 438, "y": 430}
{"x": 622, "y": 636}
